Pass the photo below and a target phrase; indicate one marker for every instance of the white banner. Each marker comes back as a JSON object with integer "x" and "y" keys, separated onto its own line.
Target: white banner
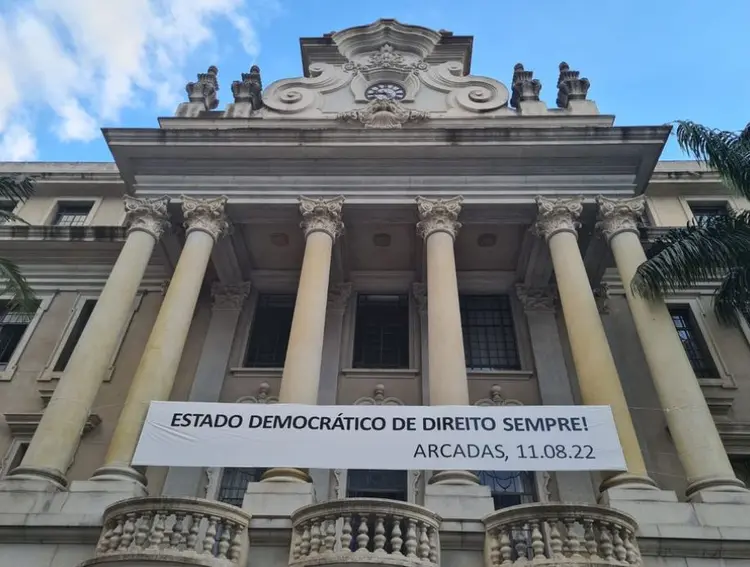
{"x": 549, "y": 438}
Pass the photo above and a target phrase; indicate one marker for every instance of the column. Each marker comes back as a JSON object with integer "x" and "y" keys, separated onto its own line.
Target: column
{"x": 56, "y": 439}
{"x": 449, "y": 385}
{"x": 228, "y": 301}
{"x": 552, "y": 377}
{"x": 599, "y": 382}
{"x": 205, "y": 222}
{"x": 691, "y": 425}
{"x": 321, "y": 223}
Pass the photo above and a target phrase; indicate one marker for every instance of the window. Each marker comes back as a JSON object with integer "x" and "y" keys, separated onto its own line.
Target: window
{"x": 13, "y": 325}
{"x": 377, "y": 484}
{"x": 269, "y": 335}
{"x": 15, "y": 456}
{"x": 381, "y": 332}
{"x": 509, "y": 488}
{"x": 489, "y": 334}
{"x": 6, "y": 207}
{"x": 741, "y": 467}
{"x": 71, "y": 214}
{"x": 703, "y": 212}
{"x": 234, "y": 483}
{"x": 692, "y": 341}
{"x": 75, "y": 335}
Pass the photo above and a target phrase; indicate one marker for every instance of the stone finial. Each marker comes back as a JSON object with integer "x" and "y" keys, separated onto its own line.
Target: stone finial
{"x": 262, "y": 397}
{"x": 557, "y": 215}
{"x": 249, "y": 89}
{"x": 383, "y": 114}
{"x": 229, "y": 297}
{"x": 536, "y": 298}
{"x": 205, "y": 89}
{"x": 147, "y": 215}
{"x": 619, "y": 215}
{"x": 496, "y": 398}
{"x": 322, "y": 215}
{"x": 570, "y": 86}
{"x": 207, "y": 215}
{"x": 338, "y": 296}
{"x": 524, "y": 86}
{"x": 438, "y": 215}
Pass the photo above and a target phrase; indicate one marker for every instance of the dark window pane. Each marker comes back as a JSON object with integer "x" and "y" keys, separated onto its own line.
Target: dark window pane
{"x": 234, "y": 482}
{"x": 269, "y": 335}
{"x": 692, "y": 342}
{"x": 381, "y": 335}
{"x": 741, "y": 467}
{"x": 509, "y": 488}
{"x": 75, "y": 335}
{"x": 377, "y": 484}
{"x": 72, "y": 214}
{"x": 488, "y": 332}
{"x": 701, "y": 212}
{"x": 13, "y": 325}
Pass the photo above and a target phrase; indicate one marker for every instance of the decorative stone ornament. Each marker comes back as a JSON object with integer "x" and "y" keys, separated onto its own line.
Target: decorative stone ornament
{"x": 249, "y": 89}
{"x": 386, "y": 58}
{"x": 322, "y": 215}
{"x": 537, "y": 298}
{"x": 383, "y": 114}
{"x": 557, "y": 215}
{"x": 419, "y": 293}
{"x": 438, "y": 215}
{"x": 207, "y": 215}
{"x": 202, "y": 94}
{"x": 524, "y": 86}
{"x": 147, "y": 215}
{"x": 570, "y": 86}
{"x": 619, "y": 215}
{"x": 229, "y": 297}
{"x": 338, "y": 296}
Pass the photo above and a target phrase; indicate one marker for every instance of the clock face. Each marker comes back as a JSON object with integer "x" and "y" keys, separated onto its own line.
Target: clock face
{"x": 385, "y": 91}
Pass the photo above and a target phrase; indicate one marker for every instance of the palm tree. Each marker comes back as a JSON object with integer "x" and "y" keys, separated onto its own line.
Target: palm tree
{"x": 15, "y": 188}
{"x": 714, "y": 248}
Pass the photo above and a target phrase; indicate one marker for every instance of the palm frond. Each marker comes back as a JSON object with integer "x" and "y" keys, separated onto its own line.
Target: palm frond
{"x": 732, "y": 299}
{"x": 6, "y": 216}
{"x": 726, "y": 152}
{"x": 699, "y": 252}
{"x": 16, "y": 187}
{"x": 14, "y": 284}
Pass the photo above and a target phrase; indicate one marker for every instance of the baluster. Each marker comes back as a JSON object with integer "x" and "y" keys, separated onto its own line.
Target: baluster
{"x": 506, "y": 546}
{"x": 555, "y": 539}
{"x": 224, "y": 544}
{"x": 424, "y": 542}
{"x": 537, "y": 540}
{"x": 619, "y": 546}
{"x": 296, "y": 542}
{"x": 157, "y": 530}
{"x": 103, "y": 544}
{"x": 304, "y": 545}
{"x": 178, "y": 537}
{"x": 114, "y": 541}
{"x": 605, "y": 542}
{"x": 362, "y": 537}
{"x": 411, "y": 538}
{"x": 346, "y": 535}
{"x": 633, "y": 554}
{"x": 519, "y": 535}
{"x": 330, "y": 539}
{"x": 315, "y": 538}
{"x": 127, "y": 532}
{"x": 589, "y": 539}
{"x": 195, "y": 526}
{"x": 434, "y": 545}
{"x": 143, "y": 530}
{"x": 209, "y": 540}
{"x": 571, "y": 537}
{"x": 379, "y": 539}
{"x": 235, "y": 549}
{"x": 396, "y": 541}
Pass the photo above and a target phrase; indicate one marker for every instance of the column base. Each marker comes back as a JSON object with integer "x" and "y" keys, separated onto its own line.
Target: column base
{"x": 277, "y": 499}
{"x": 465, "y": 478}
{"x": 52, "y": 477}
{"x": 715, "y": 485}
{"x": 459, "y": 502}
{"x": 628, "y": 481}
{"x": 119, "y": 473}
{"x": 284, "y": 474}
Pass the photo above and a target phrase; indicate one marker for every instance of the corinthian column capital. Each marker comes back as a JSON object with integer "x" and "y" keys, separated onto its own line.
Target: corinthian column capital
{"x": 322, "y": 215}
{"x": 206, "y": 215}
{"x": 619, "y": 215}
{"x": 557, "y": 215}
{"x": 438, "y": 215}
{"x": 147, "y": 215}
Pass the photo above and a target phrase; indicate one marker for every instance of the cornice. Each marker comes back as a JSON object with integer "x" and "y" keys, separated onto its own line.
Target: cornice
{"x": 63, "y": 233}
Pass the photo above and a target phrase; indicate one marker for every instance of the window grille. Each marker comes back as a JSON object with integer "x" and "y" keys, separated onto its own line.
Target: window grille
{"x": 13, "y": 325}
{"x": 703, "y": 212}
{"x": 509, "y": 488}
{"x": 234, "y": 483}
{"x": 72, "y": 214}
{"x": 488, "y": 332}
{"x": 692, "y": 342}
{"x": 377, "y": 484}
{"x": 269, "y": 335}
{"x": 75, "y": 335}
{"x": 381, "y": 334}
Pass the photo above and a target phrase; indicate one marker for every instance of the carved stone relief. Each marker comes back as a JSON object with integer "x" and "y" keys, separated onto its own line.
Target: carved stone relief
{"x": 383, "y": 114}
{"x": 305, "y": 94}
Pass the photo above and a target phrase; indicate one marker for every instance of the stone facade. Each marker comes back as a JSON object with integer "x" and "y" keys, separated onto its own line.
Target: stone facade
{"x": 387, "y": 170}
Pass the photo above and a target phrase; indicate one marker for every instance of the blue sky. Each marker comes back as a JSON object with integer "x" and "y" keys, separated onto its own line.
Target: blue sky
{"x": 71, "y": 67}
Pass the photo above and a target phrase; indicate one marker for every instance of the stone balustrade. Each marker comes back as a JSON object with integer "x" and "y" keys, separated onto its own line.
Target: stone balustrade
{"x": 365, "y": 530}
{"x": 172, "y": 531}
{"x": 561, "y": 534}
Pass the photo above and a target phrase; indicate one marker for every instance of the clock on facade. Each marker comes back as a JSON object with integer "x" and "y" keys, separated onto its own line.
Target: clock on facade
{"x": 385, "y": 91}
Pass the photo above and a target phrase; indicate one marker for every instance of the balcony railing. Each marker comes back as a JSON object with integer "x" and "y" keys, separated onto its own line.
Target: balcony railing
{"x": 173, "y": 531}
{"x": 561, "y": 534}
{"x": 365, "y": 530}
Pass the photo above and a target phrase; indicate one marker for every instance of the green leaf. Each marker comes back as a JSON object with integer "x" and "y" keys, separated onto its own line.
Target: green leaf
{"x": 14, "y": 284}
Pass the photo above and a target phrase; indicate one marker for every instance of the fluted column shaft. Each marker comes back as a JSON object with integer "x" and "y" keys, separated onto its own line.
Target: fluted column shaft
{"x": 691, "y": 424}
{"x": 595, "y": 367}
{"x": 447, "y": 363}
{"x": 56, "y": 439}
{"x": 321, "y": 222}
{"x": 205, "y": 222}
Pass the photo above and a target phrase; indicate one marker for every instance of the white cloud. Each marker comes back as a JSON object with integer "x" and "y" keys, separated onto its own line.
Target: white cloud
{"x": 83, "y": 61}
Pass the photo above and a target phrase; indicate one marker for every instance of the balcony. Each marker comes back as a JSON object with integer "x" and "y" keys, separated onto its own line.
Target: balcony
{"x": 561, "y": 534}
{"x": 172, "y": 532}
{"x": 365, "y": 531}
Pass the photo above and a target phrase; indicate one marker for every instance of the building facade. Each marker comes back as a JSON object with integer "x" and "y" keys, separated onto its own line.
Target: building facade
{"x": 388, "y": 229}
